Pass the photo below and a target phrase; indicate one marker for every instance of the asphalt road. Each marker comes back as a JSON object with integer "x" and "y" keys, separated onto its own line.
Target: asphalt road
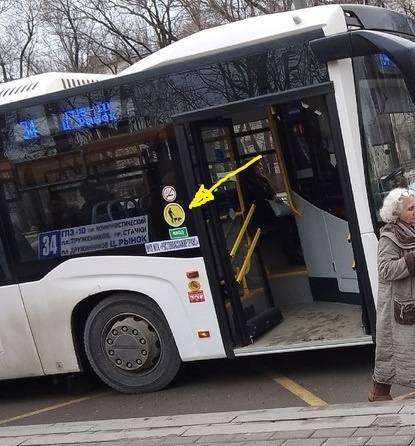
{"x": 285, "y": 380}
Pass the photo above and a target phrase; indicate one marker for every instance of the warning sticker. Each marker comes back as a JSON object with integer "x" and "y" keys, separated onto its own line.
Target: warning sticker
{"x": 169, "y": 193}
{"x": 174, "y": 215}
{"x": 194, "y": 285}
{"x": 196, "y": 296}
{"x": 172, "y": 245}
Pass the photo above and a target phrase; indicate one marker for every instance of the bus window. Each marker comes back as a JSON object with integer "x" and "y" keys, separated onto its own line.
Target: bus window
{"x": 102, "y": 181}
{"x": 5, "y": 275}
{"x": 309, "y": 149}
{"x": 388, "y": 122}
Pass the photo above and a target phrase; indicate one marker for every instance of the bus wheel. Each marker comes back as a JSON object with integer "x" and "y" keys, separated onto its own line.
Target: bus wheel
{"x": 129, "y": 344}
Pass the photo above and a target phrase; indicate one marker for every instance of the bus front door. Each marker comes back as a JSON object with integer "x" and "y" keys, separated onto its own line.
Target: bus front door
{"x": 250, "y": 307}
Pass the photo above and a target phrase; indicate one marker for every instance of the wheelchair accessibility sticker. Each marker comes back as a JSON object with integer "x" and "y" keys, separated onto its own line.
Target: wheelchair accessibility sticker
{"x": 174, "y": 215}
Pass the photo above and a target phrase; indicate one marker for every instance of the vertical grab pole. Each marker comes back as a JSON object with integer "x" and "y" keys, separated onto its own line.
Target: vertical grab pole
{"x": 241, "y": 232}
{"x": 244, "y": 266}
{"x": 281, "y": 163}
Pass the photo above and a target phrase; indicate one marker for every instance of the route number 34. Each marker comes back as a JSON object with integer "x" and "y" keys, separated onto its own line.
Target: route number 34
{"x": 49, "y": 245}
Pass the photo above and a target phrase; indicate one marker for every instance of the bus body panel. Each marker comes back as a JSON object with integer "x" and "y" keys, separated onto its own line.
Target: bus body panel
{"x": 370, "y": 246}
{"x": 338, "y": 232}
{"x": 18, "y": 355}
{"x": 254, "y": 30}
{"x": 50, "y": 303}
{"x": 312, "y": 222}
{"x": 328, "y": 244}
{"x": 44, "y": 83}
{"x": 341, "y": 74}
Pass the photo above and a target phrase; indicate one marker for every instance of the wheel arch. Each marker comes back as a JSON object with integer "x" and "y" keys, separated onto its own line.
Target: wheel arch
{"x": 80, "y": 315}
{"x": 139, "y": 353}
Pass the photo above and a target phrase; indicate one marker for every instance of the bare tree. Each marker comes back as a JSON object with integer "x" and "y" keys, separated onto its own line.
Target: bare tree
{"x": 19, "y": 38}
{"x": 5, "y": 5}
{"x": 107, "y": 35}
{"x": 66, "y": 27}
{"x": 130, "y": 30}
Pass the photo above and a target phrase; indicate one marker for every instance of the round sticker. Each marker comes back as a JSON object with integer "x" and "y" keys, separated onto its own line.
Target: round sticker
{"x": 194, "y": 285}
{"x": 174, "y": 215}
{"x": 169, "y": 193}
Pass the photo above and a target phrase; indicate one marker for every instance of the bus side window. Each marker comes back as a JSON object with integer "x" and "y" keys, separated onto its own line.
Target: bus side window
{"x": 26, "y": 251}
{"x": 96, "y": 200}
{"x": 5, "y": 275}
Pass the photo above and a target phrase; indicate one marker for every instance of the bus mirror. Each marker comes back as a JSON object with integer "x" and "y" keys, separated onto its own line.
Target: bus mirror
{"x": 327, "y": 49}
{"x": 342, "y": 46}
{"x": 364, "y": 43}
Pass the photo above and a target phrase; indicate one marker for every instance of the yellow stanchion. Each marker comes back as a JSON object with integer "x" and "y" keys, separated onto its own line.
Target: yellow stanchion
{"x": 241, "y": 232}
{"x": 247, "y": 260}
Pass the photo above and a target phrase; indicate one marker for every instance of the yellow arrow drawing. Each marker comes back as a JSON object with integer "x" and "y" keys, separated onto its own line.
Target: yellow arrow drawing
{"x": 204, "y": 195}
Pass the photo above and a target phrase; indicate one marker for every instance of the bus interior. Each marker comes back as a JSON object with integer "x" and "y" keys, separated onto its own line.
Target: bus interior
{"x": 284, "y": 305}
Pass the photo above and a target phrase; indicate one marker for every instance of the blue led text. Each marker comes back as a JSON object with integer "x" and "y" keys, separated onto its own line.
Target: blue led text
{"x": 98, "y": 114}
{"x": 385, "y": 61}
{"x": 30, "y": 130}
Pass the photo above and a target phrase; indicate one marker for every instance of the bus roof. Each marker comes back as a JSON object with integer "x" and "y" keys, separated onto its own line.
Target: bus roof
{"x": 245, "y": 32}
{"x": 40, "y": 84}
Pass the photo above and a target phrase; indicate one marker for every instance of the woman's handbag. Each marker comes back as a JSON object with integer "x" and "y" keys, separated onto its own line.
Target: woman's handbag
{"x": 280, "y": 209}
{"x": 404, "y": 310}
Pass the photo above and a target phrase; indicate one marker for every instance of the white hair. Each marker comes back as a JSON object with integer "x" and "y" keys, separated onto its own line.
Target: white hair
{"x": 392, "y": 204}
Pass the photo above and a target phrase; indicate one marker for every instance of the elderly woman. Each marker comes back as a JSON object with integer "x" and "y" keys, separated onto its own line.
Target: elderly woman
{"x": 395, "y": 327}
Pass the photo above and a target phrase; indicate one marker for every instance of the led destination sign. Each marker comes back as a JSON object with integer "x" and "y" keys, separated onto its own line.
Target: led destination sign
{"x": 73, "y": 119}
{"x": 81, "y": 117}
{"x": 29, "y": 129}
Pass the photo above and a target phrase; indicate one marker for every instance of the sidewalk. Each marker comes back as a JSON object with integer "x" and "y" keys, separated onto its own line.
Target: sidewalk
{"x": 390, "y": 423}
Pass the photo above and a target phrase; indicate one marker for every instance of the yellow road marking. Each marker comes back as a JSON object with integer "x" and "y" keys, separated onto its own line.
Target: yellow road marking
{"x": 405, "y": 397}
{"x": 47, "y": 409}
{"x": 291, "y": 386}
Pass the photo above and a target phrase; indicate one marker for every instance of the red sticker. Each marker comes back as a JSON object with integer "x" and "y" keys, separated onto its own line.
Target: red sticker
{"x": 196, "y": 296}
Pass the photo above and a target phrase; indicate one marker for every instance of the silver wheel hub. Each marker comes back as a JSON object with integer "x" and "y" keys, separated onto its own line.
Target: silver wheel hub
{"x": 131, "y": 344}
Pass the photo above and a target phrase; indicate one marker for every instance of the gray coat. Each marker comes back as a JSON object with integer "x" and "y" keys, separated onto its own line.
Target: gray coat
{"x": 395, "y": 326}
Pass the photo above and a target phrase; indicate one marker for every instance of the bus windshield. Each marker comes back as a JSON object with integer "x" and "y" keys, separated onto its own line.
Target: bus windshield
{"x": 388, "y": 125}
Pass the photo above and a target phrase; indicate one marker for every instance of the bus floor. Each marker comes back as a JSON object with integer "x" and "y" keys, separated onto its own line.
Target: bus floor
{"x": 307, "y": 323}
{"x": 312, "y": 326}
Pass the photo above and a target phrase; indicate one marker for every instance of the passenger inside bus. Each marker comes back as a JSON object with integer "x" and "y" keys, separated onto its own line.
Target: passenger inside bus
{"x": 60, "y": 214}
{"x": 92, "y": 196}
{"x": 259, "y": 191}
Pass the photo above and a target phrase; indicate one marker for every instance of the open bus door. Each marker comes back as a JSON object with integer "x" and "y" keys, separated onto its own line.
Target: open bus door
{"x": 300, "y": 146}
{"x": 247, "y": 295}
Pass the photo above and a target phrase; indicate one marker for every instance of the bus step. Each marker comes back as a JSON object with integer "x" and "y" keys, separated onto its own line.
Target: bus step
{"x": 264, "y": 321}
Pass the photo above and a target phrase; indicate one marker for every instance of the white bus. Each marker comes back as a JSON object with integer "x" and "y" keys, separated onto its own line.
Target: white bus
{"x": 103, "y": 263}
{"x": 45, "y": 83}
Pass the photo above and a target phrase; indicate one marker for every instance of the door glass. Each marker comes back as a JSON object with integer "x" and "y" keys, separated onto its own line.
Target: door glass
{"x": 309, "y": 151}
{"x": 228, "y": 209}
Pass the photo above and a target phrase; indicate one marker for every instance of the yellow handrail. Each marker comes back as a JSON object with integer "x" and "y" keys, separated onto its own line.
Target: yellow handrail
{"x": 244, "y": 266}
{"x": 241, "y": 232}
{"x": 281, "y": 163}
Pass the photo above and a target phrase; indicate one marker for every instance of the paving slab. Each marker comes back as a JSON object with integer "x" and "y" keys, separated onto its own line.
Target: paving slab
{"x": 362, "y": 424}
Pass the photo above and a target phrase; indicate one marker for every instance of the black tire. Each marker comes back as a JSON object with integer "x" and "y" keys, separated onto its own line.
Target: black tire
{"x": 129, "y": 344}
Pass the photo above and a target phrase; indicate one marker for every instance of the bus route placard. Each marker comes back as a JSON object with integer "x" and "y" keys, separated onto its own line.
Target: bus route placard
{"x": 95, "y": 237}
